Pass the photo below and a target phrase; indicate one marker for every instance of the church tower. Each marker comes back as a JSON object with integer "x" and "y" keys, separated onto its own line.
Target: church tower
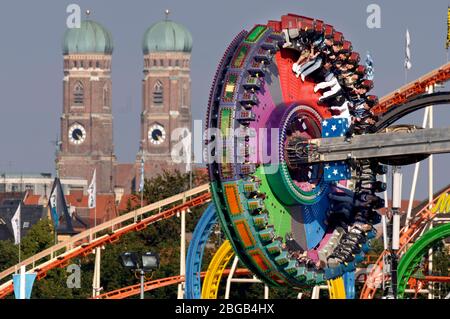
{"x": 166, "y": 89}
{"x": 87, "y": 121}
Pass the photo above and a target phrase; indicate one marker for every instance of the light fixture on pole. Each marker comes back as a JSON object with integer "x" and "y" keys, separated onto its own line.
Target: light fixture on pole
{"x": 140, "y": 265}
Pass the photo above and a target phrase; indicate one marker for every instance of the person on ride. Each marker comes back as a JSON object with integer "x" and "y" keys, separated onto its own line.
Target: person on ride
{"x": 349, "y": 79}
{"x": 331, "y": 82}
{"x": 357, "y": 94}
{"x": 314, "y": 63}
{"x": 344, "y": 111}
{"x": 304, "y": 55}
{"x": 362, "y": 125}
{"x": 372, "y": 100}
{"x": 361, "y": 110}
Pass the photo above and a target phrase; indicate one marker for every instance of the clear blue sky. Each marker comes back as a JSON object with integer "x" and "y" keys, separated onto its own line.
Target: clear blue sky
{"x": 31, "y": 60}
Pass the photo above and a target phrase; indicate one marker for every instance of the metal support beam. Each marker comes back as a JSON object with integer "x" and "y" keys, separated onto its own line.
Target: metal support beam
{"x": 415, "y": 177}
{"x": 182, "y": 253}
{"x": 430, "y": 89}
{"x": 96, "y": 278}
{"x": 230, "y": 277}
{"x": 426, "y": 141}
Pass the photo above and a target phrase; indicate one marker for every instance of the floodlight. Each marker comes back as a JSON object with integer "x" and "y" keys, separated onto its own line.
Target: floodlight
{"x": 150, "y": 261}
{"x": 130, "y": 260}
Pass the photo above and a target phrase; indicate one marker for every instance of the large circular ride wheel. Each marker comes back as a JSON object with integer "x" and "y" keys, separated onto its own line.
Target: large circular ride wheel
{"x": 276, "y": 211}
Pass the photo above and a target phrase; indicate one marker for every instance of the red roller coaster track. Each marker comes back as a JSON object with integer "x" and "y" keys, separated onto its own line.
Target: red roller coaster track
{"x": 407, "y": 235}
{"x": 413, "y": 88}
{"x": 126, "y": 292}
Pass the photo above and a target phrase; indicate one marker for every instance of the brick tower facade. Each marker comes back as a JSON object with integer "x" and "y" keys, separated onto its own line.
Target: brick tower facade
{"x": 166, "y": 88}
{"x": 87, "y": 121}
{"x": 166, "y": 102}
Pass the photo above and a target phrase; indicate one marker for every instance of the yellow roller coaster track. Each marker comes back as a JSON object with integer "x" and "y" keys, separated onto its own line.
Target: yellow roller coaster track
{"x": 220, "y": 261}
{"x": 215, "y": 271}
{"x": 336, "y": 288}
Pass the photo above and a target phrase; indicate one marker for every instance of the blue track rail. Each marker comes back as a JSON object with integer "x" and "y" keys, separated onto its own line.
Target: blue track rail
{"x": 349, "y": 283}
{"x": 195, "y": 252}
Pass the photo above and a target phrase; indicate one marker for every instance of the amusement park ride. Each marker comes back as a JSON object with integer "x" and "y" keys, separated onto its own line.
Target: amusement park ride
{"x": 304, "y": 215}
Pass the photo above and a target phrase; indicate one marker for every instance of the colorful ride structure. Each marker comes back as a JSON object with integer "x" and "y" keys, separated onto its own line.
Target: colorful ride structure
{"x": 278, "y": 214}
{"x": 281, "y": 92}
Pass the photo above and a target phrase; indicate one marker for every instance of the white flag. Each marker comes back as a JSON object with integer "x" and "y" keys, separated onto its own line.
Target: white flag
{"x": 187, "y": 140}
{"x": 370, "y": 71}
{"x": 92, "y": 191}
{"x": 408, "y": 63}
{"x": 16, "y": 223}
{"x": 142, "y": 181}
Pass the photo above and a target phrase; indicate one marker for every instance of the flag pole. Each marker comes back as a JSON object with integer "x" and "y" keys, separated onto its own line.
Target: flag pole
{"x": 95, "y": 195}
{"x": 92, "y": 201}
{"x": 20, "y": 241}
{"x": 142, "y": 180}
{"x": 16, "y": 219}
{"x": 142, "y": 197}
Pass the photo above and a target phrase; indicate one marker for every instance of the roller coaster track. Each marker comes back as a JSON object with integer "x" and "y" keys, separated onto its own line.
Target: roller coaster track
{"x": 133, "y": 290}
{"x": 349, "y": 284}
{"x": 415, "y": 104}
{"x": 195, "y": 252}
{"x": 221, "y": 259}
{"x": 336, "y": 288}
{"x": 83, "y": 244}
{"x": 413, "y": 88}
{"x": 407, "y": 235}
{"x": 215, "y": 271}
{"x": 412, "y": 257}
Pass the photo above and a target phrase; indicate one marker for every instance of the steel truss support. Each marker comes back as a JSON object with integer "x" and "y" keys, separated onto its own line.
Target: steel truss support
{"x": 230, "y": 280}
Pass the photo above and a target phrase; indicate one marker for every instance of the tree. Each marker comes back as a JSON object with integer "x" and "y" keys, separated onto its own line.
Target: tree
{"x": 40, "y": 237}
{"x": 9, "y": 254}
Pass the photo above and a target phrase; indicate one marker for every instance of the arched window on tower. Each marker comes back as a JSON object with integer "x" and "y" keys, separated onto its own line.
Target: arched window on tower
{"x": 184, "y": 95}
{"x": 106, "y": 95}
{"x": 158, "y": 93}
{"x": 78, "y": 94}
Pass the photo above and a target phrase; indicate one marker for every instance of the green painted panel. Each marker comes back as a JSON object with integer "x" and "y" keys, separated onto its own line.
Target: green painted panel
{"x": 240, "y": 57}
{"x": 279, "y": 217}
{"x": 256, "y": 33}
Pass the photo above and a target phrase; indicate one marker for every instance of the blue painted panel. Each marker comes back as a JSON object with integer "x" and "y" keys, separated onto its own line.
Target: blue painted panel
{"x": 314, "y": 217}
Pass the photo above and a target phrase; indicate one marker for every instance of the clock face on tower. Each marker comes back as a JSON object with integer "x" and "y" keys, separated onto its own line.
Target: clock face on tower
{"x": 77, "y": 134}
{"x": 156, "y": 134}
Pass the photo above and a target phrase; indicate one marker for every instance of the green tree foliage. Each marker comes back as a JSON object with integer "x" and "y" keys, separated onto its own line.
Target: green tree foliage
{"x": 9, "y": 254}
{"x": 39, "y": 237}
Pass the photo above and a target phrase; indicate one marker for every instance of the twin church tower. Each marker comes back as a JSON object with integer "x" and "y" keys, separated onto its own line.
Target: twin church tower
{"x": 87, "y": 120}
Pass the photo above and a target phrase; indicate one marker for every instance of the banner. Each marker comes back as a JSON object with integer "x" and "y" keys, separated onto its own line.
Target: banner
{"x": 142, "y": 178}
{"x": 408, "y": 63}
{"x": 92, "y": 191}
{"x": 16, "y": 226}
{"x": 369, "y": 67}
{"x": 18, "y": 282}
{"x": 53, "y": 203}
{"x": 58, "y": 207}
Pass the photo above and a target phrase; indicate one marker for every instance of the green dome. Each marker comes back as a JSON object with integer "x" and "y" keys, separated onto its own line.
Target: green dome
{"x": 91, "y": 37}
{"x": 167, "y": 36}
